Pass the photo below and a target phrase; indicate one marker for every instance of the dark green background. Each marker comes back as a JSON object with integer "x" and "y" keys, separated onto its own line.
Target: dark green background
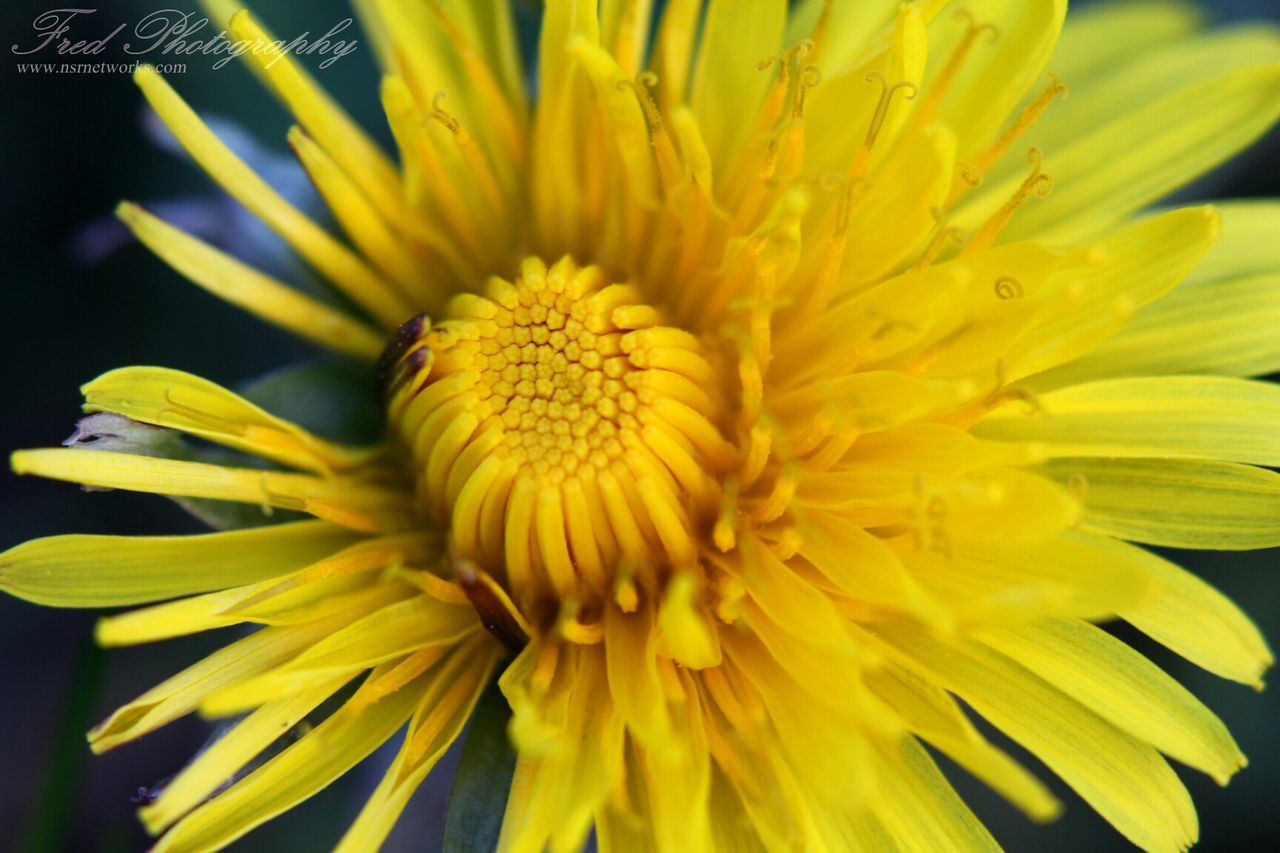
{"x": 70, "y": 147}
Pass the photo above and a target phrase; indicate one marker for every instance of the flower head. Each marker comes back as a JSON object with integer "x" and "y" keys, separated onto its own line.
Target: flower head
{"x": 754, "y": 394}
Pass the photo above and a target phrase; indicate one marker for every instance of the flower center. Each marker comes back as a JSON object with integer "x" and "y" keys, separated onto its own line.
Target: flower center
{"x": 567, "y": 438}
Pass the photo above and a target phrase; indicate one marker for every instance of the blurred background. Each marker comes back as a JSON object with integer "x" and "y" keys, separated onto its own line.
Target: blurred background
{"x": 79, "y": 301}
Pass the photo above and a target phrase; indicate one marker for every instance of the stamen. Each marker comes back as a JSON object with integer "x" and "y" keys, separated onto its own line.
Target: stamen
{"x": 969, "y": 174}
{"x": 573, "y": 629}
{"x": 441, "y": 115}
{"x": 756, "y": 345}
{"x": 759, "y": 447}
{"x": 544, "y": 670}
{"x": 784, "y": 58}
{"x": 479, "y": 74}
{"x": 882, "y": 107}
{"x": 930, "y": 511}
{"x": 820, "y": 293}
{"x": 669, "y": 166}
{"x": 625, "y": 594}
{"x": 1078, "y": 485}
{"x": 941, "y": 233}
{"x": 641, "y": 84}
{"x": 808, "y": 78}
{"x": 1008, "y": 287}
{"x": 751, "y": 378}
{"x": 470, "y": 151}
{"x": 988, "y": 158}
{"x": 730, "y": 591}
{"x": 831, "y": 450}
{"x": 820, "y": 28}
{"x": 725, "y": 533}
{"x": 1001, "y": 394}
{"x": 780, "y": 495}
{"x": 958, "y": 55}
{"x": 1037, "y": 183}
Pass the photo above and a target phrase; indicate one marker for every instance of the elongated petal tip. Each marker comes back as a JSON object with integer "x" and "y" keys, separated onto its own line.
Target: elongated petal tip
{"x": 128, "y": 211}
{"x": 23, "y": 462}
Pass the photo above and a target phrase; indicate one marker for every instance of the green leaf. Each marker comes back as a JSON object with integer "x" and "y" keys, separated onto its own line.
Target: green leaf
{"x": 478, "y": 797}
{"x": 334, "y": 399}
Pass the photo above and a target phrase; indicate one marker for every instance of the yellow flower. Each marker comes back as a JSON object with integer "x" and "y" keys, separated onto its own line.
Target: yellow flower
{"x": 765, "y": 405}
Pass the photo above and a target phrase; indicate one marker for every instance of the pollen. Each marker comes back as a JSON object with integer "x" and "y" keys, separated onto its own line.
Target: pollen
{"x": 564, "y": 435}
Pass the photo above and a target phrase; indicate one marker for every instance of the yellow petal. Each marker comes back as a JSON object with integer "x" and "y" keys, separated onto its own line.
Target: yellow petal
{"x": 666, "y": 792}
{"x": 1137, "y": 265}
{"x": 179, "y": 695}
{"x": 494, "y": 24}
{"x": 214, "y": 610}
{"x": 1144, "y": 77}
{"x": 866, "y": 401}
{"x": 449, "y": 693}
{"x": 317, "y": 246}
{"x": 673, "y": 50}
{"x": 1208, "y": 417}
{"x": 629, "y": 130}
{"x": 1180, "y": 503}
{"x": 178, "y": 400}
{"x": 732, "y": 829}
{"x": 630, "y": 646}
{"x": 347, "y": 503}
{"x": 840, "y": 114}
{"x": 845, "y": 127}
{"x": 1121, "y": 166}
{"x": 1196, "y": 621}
{"x": 921, "y": 808}
{"x": 1124, "y": 779}
{"x": 685, "y": 632}
{"x": 918, "y": 307}
{"x": 1099, "y": 35}
{"x": 108, "y": 571}
{"x": 243, "y": 286}
{"x": 825, "y": 744}
{"x": 992, "y": 79}
{"x": 358, "y": 155}
{"x": 1219, "y": 320}
{"x": 791, "y": 603}
{"x": 861, "y": 565}
{"x": 846, "y": 29}
{"x": 934, "y": 716}
{"x": 727, "y": 87}
{"x": 554, "y": 794}
{"x": 1243, "y": 249}
{"x": 1072, "y": 575}
{"x": 922, "y": 166}
{"x": 322, "y": 755}
{"x": 932, "y": 448}
{"x": 1008, "y": 504}
{"x": 559, "y": 127}
{"x": 368, "y": 640}
{"x": 1120, "y": 685}
{"x": 219, "y": 762}
{"x": 364, "y": 224}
